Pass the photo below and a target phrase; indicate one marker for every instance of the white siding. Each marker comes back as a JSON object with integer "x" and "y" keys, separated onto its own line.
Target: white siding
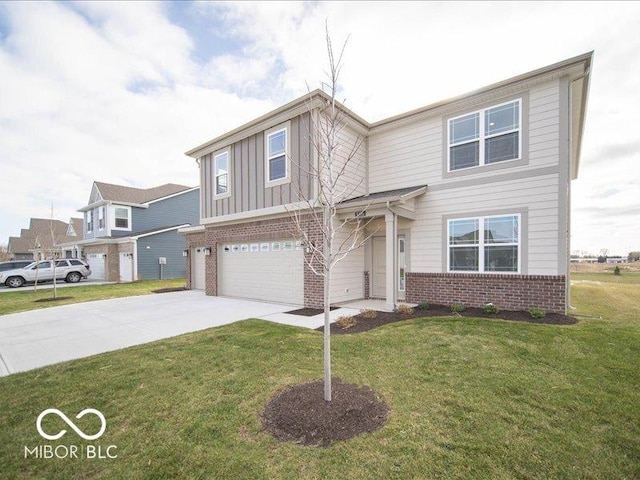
{"x": 348, "y": 274}
{"x": 539, "y": 195}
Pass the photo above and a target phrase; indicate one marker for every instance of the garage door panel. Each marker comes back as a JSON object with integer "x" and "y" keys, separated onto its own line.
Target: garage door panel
{"x": 96, "y": 264}
{"x": 276, "y": 276}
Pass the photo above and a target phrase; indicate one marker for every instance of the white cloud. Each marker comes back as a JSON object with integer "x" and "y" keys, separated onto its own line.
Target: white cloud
{"x": 111, "y": 91}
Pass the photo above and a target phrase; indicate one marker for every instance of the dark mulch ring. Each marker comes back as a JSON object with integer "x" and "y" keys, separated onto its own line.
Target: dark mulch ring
{"x": 169, "y": 289}
{"x": 300, "y": 414}
{"x": 383, "y": 318}
{"x": 309, "y": 312}
{"x": 51, "y": 299}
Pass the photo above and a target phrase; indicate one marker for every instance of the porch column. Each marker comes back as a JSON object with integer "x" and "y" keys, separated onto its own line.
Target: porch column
{"x": 391, "y": 236}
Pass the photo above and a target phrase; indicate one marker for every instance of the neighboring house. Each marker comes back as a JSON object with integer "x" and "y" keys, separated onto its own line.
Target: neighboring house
{"x": 43, "y": 239}
{"x": 617, "y": 259}
{"x": 469, "y": 199}
{"x": 131, "y": 233}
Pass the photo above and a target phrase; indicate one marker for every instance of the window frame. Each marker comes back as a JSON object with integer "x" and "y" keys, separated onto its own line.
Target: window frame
{"x": 482, "y": 136}
{"x": 267, "y": 158}
{"x": 226, "y": 194}
{"x": 481, "y": 244}
{"x": 128, "y": 209}
{"x": 101, "y": 220}
{"x": 89, "y": 221}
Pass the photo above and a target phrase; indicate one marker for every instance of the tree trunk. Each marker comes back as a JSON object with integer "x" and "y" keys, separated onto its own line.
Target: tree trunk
{"x": 327, "y": 301}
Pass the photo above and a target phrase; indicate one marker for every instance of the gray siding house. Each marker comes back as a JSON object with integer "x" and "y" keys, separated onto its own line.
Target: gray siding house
{"x": 132, "y": 233}
{"x": 468, "y": 198}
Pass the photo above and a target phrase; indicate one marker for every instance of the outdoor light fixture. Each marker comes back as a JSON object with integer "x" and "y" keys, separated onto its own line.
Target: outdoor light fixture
{"x": 185, "y": 253}
{"x": 207, "y": 251}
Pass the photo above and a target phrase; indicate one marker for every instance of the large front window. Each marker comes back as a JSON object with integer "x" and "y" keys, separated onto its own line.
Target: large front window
{"x": 277, "y": 155}
{"x": 222, "y": 173}
{"x": 485, "y": 244}
{"x": 490, "y": 135}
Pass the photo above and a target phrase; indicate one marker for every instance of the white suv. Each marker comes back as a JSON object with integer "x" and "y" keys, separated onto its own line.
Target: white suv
{"x": 71, "y": 270}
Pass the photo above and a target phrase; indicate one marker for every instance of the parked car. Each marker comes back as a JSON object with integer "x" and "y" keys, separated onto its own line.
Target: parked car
{"x": 13, "y": 264}
{"x": 71, "y": 271}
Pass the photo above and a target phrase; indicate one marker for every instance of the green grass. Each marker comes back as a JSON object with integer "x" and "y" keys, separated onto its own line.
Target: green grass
{"x": 25, "y": 298}
{"x": 469, "y": 398}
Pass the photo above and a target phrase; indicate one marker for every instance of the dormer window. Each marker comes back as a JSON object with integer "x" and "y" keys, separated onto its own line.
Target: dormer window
{"x": 487, "y": 136}
{"x": 277, "y": 166}
{"x": 221, "y": 166}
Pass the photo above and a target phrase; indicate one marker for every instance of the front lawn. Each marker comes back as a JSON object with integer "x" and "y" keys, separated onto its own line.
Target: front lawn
{"x": 26, "y": 299}
{"x": 468, "y": 398}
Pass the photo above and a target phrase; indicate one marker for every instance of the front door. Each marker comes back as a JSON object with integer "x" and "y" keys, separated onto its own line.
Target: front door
{"x": 378, "y": 279}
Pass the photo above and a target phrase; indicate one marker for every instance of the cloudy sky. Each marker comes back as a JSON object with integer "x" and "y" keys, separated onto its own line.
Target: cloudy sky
{"x": 117, "y": 92}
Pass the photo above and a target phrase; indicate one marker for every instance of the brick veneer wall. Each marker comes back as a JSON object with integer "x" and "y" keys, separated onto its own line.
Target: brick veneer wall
{"x": 264, "y": 230}
{"x": 509, "y": 292}
{"x": 193, "y": 240}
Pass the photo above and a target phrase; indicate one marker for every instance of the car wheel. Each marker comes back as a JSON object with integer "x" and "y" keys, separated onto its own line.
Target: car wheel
{"x": 14, "y": 282}
{"x": 73, "y": 277}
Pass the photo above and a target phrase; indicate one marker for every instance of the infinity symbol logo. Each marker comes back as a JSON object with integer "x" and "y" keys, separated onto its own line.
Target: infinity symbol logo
{"x": 71, "y": 424}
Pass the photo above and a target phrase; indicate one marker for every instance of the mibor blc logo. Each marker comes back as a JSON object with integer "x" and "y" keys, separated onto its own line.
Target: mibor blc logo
{"x": 71, "y": 451}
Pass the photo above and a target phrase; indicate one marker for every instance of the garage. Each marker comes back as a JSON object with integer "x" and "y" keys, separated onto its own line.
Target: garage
{"x": 271, "y": 270}
{"x": 96, "y": 264}
{"x": 198, "y": 268}
{"x": 126, "y": 267}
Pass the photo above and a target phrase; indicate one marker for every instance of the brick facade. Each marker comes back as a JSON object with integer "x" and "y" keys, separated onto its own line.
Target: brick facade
{"x": 259, "y": 231}
{"x": 367, "y": 285}
{"x": 509, "y": 292}
{"x": 193, "y": 240}
{"x": 112, "y": 252}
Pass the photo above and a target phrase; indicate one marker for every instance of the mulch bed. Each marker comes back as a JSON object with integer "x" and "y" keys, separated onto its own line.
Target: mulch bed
{"x": 309, "y": 312}
{"x": 383, "y": 318}
{"x": 51, "y": 299}
{"x": 300, "y": 414}
{"x": 169, "y": 289}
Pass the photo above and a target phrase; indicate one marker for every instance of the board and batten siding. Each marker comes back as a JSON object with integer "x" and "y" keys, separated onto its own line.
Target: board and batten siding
{"x": 247, "y": 174}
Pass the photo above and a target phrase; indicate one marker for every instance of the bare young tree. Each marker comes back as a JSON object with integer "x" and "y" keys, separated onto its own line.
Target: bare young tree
{"x": 335, "y": 174}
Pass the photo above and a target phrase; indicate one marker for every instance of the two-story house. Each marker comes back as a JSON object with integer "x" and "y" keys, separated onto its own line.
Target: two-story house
{"x": 468, "y": 198}
{"x": 132, "y": 233}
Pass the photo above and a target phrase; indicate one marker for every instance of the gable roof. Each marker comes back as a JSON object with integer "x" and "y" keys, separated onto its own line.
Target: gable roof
{"x": 43, "y": 233}
{"x": 120, "y": 193}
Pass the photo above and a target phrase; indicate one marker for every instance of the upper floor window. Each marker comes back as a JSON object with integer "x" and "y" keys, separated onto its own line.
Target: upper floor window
{"x": 101, "y": 218}
{"x": 90, "y": 221}
{"x": 122, "y": 218}
{"x": 485, "y": 244}
{"x": 221, "y": 165}
{"x": 277, "y": 168}
{"x": 484, "y": 137}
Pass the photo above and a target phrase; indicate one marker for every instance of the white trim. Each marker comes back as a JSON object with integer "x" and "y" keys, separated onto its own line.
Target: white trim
{"x": 216, "y": 195}
{"x": 482, "y": 135}
{"x": 113, "y": 217}
{"x": 194, "y": 229}
{"x": 156, "y": 232}
{"x": 146, "y": 204}
{"x": 135, "y": 259}
{"x": 481, "y": 244}
{"x": 91, "y": 206}
{"x": 285, "y": 127}
{"x": 256, "y": 214}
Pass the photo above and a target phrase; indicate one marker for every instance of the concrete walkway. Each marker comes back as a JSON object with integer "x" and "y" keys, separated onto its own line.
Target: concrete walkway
{"x": 43, "y": 337}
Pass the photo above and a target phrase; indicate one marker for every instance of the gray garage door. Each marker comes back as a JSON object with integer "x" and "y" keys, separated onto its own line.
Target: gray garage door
{"x": 271, "y": 270}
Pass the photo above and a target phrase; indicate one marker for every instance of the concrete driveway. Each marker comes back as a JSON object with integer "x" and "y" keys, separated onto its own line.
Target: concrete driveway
{"x": 43, "y": 337}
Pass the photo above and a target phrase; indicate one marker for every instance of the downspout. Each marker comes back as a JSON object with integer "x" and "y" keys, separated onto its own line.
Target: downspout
{"x": 567, "y": 287}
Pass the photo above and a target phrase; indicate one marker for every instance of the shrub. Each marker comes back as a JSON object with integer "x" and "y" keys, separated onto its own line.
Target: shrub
{"x": 404, "y": 309}
{"x": 616, "y": 271}
{"x": 345, "y": 322}
{"x": 536, "y": 312}
{"x": 368, "y": 313}
{"x": 490, "y": 308}
{"x": 422, "y": 306}
{"x": 457, "y": 307}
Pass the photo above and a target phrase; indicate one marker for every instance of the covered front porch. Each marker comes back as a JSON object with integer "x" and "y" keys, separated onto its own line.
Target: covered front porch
{"x": 388, "y": 217}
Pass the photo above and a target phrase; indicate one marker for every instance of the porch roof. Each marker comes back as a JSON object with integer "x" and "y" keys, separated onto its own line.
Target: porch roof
{"x": 380, "y": 198}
